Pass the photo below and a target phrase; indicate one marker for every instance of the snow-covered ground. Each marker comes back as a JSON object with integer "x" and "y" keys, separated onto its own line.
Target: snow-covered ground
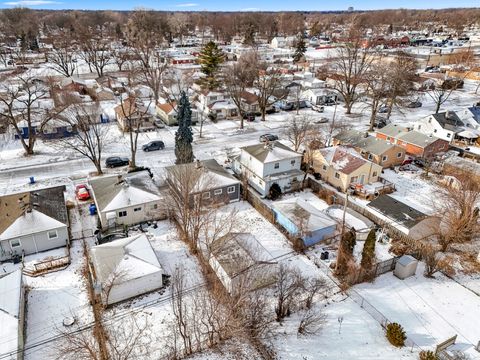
{"x": 430, "y": 310}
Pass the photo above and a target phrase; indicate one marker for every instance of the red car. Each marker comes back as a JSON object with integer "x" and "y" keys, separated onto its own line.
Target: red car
{"x": 81, "y": 192}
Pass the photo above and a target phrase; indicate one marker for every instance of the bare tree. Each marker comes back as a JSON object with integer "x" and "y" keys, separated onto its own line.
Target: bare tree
{"x": 311, "y": 322}
{"x": 63, "y": 58}
{"x": 288, "y": 287}
{"x": 440, "y": 95}
{"x": 313, "y": 287}
{"x": 90, "y": 136}
{"x": 349, "y": 66}
{"x": 95, "y": 50}
{"x": 269, "y": 83}
{"x": 21, "y": 99}
{"x": 297, "y": 130}
{"x": 377, "y": 80}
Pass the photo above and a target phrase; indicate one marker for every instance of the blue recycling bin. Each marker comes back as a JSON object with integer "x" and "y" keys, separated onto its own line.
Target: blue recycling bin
{"x": 32, "y": 180}
{"x": 93, "y": 209}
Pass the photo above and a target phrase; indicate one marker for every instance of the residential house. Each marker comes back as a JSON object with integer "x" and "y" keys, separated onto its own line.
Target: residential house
{"x": 414, "y": 142}
{"x": 443, "y": 125}
{"x": 216, "y": 105}
{"x": 343, "y": 167}
{"x": 271, "y": 163}
{"x": 249, "y": 102}
{"x": 242, "y": 263}
{"x": 282, "y": 41}
{"x": 33, "y": 221}
{"x": 212, "y": 182}
{"x": 375, "y": 149}
{"x": 320, "y": 96}
{"x": 405, "y": 218}
{"x": 304, "y": 221}
{"x": 168, "y": 113}
{"x": 12, "y": 315}
{"x": 125, "y": 268}
{"x": 132, "y": 113}
{"x": 126, "y": 199}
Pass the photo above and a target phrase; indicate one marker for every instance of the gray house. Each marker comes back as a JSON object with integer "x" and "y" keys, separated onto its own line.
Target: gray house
{"x": 211, "y": 181}
{"x": 126, "y": 199}
{"x": 32, "y": 222}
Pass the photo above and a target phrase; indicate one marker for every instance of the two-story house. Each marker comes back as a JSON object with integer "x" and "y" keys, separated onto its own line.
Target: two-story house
{"x": 342, "y": 167}
{"x": 217, "y": 105}
{"x": 271, "y": 163}
{"x": 168, "y": 114}
{"x": 444, "y": 125}
{"x": 374, "y": 149}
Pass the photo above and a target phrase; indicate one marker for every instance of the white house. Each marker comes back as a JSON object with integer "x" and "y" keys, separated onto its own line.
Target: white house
{"x": 444, "y": 125}
{"x": 268, "y": 164}
{"x": 319, "y": 96}
{"x": 12, "y": 315}
{"x": 216, "y": 104}
{"x": 125, "y": 268}
{"x": 282, "y": 42}
{"x": 126, "y": 199}
{"x": 32, "y": 222}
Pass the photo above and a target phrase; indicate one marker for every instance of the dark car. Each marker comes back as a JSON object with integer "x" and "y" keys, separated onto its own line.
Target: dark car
{"x": 116, "y": 161}
{"x": 102, "y": 239}
{"x": 249, "y": 116}
{"x": 414, "y": 104}
{"x": 154, "y": 145}
{"x": 383, "y": 109}
{"x": 268, "y": 137}
{"x": 380, "y": 122}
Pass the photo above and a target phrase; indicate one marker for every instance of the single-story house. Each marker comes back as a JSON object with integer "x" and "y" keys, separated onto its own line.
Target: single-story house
{"x": 12, "y": 315}
{"x": 320, "y": 96}
{"x": 302, "y": 220}
{"x": 126, "y": 199}
{"x": 241, "y": 262}
{"x": 414, "y": 142}
{"x": 410, "y": 221}
{"x": 375, "y": 149}
{"x": 208, "y": 179}
{"x": 34, "y": 221}
{"x": 343, "y": 167}
{"x": 125, "y": 268}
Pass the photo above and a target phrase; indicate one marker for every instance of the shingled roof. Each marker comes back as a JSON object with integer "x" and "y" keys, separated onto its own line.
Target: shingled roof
{"x": 343, "y": 159}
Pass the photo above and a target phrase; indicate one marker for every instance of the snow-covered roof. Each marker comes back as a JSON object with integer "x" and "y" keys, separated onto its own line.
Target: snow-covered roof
{"x": 130, "y": 196}
{"x": 303, "y": 214}
{"x": 10, "y": 294}
{"x": 274, "y": 151}
{"x": 31, "y": 222}
{"x": 127, "y": 259}
{"x": 343, "y": 159}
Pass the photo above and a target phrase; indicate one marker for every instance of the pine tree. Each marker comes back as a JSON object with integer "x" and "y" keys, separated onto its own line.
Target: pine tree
{"x": 368, "y": 253}
{"x": 396, "y": 335}
{"x": 183, "y": 136}
{"x": 210, "y": 59}
{"x": 300, "y": 49}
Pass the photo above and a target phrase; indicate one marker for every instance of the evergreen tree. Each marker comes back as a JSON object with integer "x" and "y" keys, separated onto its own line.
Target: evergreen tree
{"x": 183, "y": 136}
{"x": 210, "y": 59}
{"x": 300, "y": 49}
{"x": 368, "y": 253}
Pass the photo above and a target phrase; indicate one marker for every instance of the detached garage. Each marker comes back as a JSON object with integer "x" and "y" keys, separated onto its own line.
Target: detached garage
{"x": 125, "y": 268}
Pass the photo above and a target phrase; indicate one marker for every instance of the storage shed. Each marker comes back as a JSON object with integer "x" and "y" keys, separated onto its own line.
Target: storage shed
{"x": 405, "y": 267}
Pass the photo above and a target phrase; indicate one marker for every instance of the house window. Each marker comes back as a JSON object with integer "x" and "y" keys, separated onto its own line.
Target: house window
{"x": 388, "y": 138}
{"x": 154, "y": 206}
{"x": 435, "y": 130}
{"x": 137, "y": 209}
{"x": 374, "y": 174}
{"x": 399, "y": 155}
{"x": 449, "y": 134}
{"x": 122, "y": 213}
{"x": 429, "y": 121}
{"x": 324, "y": 167}
{"x": 370, "y": 157}
{"x": 217, "y": 192}
{"x": 419, "y": 127}
{"x": 277, "y": 165}
{"x": 231, "y": 189}
{"x": 292, "y": 162}
{"x": 337, "y": 175}
{"x": 384, "y": 158}
{"x": 206, "y": 195}
{"x": 354, "y": 179}
{"x": 15, "y": 243}
{"x": 260, "y": 182}
{"x": 52, "y": 234}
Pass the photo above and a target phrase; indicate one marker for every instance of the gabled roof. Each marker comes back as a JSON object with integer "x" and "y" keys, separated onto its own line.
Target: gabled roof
{"x": 50, "y": 202}
{"x": 272, "y": 152}
{"x": 31, "y": 222}
{"x": 449, "y": 120}
{"x": 114, "y": 192}
{"x": 343, "y": 159}
{"x": 128, "y": 258}
{"x": 367, "y": 143}
{"x": 402, "y": 133}
{"x": 10, "y": 293}
{"x": 249, "y": 97}
{"x": 398, "y": 211}
{"x": 166, "y": 108}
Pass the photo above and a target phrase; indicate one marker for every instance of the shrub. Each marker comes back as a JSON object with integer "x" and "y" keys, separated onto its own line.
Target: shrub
{"x": 368, "y": 253}
{"x": 275, "y": 191}
{"x": 396, "y": 334}
{"x": 427, "y": 355}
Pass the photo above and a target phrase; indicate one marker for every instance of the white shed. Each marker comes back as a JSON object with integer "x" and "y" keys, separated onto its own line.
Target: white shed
{"x": 405, "y": 267}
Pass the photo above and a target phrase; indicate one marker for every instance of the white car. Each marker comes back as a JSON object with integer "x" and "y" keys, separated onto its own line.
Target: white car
{"x": 318, "y": 108}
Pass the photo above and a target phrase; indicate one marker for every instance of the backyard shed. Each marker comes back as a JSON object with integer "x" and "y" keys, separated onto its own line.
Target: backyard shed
{"x": 405, "y": 267}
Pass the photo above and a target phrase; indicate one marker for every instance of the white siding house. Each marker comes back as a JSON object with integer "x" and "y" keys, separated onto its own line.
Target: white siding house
{"x": 268, "y": 164}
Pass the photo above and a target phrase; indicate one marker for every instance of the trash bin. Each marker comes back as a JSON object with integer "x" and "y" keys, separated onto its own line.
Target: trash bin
{"x": 326, "y": 255}
{"x": 322, "y": 256}
{"x": 93, "y": 209}
{"x": 32, "y": 180}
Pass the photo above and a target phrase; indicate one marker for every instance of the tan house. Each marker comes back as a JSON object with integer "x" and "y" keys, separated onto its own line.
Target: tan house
{"x": 168, "y": 114}
{"x": 342, "y": 167}
{"x": 378, "y": 150}
{"x": 131, "y": 113}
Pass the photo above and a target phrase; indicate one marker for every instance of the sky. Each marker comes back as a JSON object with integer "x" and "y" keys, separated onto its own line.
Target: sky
{"x": 244, "y": 5}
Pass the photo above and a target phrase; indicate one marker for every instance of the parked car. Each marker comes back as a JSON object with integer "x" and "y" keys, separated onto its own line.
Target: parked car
{"x": 271, "y": 110}
{"x": 329, "y": 102}
{"x": 318, "y": 108}
{"x": 81, "y": 192}
{"x": 383, "y": 109}
{"x": 116, "y": 161}
{"x": 154, "y": 145}
{"x": 250, "y": 116}
{"x": 102, "y": 239}
{"x": 159, "y": 123}
{"x": 268, "y": 137}
{"x": 380, "y": 122}
{"x": 322, "y": 120}
{"x": 421, "y": 163}
{"x": 414, "y": 104}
